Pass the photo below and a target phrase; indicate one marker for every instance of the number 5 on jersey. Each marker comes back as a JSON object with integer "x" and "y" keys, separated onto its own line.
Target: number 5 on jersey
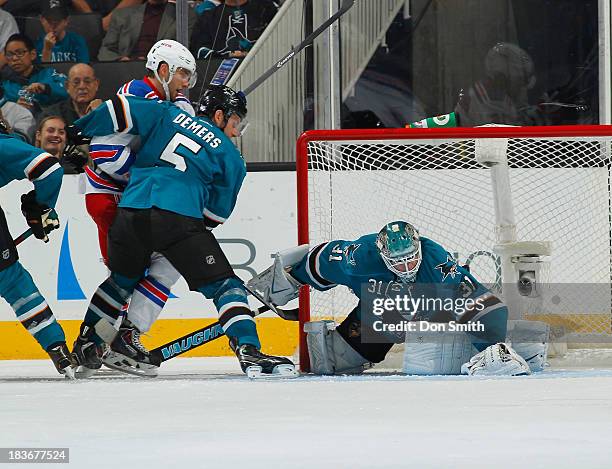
{"x": 171, "y": 156}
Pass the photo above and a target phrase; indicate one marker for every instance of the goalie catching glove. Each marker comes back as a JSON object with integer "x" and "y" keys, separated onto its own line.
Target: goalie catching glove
{"x": 496, "y": 360}
{"x": 40, "y": 218}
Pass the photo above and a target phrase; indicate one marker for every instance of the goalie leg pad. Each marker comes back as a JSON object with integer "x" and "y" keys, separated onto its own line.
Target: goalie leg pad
{"x": 496, "y": 360}
{"x": 329, "y": 353}
{"x": 530, "y": 340}
{"x": 275, "y": 283}
{"x": 437, "y": 353}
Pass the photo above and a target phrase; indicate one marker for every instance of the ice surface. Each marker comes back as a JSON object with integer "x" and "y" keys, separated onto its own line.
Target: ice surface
{"x": 203, "y": 413}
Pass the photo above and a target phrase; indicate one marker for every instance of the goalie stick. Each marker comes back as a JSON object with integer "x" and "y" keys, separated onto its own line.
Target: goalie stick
{"x": 207, "y": 334}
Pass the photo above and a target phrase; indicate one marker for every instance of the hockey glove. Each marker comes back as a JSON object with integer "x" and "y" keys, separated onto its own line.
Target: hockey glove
{"x": 75, "y": 136}
{"x": 73, "y": 159}
{"x": 40, "y": 218}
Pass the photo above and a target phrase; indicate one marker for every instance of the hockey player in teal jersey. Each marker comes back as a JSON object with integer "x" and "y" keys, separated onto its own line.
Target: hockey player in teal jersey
{"x": 381, "y": 264}
{"x": 184, "y": 182}
{"x": 18, "y": 160}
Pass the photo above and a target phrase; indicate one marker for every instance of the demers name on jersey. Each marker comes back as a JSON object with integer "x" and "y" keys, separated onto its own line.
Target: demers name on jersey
{"x": 195, "y": 126}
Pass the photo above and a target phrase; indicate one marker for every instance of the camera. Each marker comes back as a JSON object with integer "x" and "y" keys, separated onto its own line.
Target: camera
{"x": 27, "y": 96}
{"x": 527, "y": 284}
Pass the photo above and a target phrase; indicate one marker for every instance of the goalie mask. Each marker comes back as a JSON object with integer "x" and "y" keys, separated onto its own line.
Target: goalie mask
{"x": 223, "y": 98}
{"x": 400, "y": 248}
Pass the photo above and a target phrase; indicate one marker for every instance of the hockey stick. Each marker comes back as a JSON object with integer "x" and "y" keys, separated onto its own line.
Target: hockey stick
{"x": 27, "y": 233}
{"x": 205, "y": 335}
{"x": 23, "y": 236}
{"x": 346, "y": 6}
{"x": 268, "y": 306}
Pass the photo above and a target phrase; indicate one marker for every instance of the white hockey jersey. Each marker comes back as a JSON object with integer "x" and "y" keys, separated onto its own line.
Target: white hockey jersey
{"x": 113, "y": 155}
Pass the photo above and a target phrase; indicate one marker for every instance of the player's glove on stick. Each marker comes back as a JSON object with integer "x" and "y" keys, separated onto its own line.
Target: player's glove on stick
{"x": 40, "y": 218}
{"x": 74, "y": 158}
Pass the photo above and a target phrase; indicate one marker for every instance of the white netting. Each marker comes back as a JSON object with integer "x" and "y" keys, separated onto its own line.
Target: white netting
{"x": 560, "y": 192}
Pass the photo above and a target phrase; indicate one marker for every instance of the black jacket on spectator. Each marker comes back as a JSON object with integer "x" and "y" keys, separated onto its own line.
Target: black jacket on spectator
{"x": 239, "y": 27}
{"x": 64, "y": 109}
{"x": 126, "y": 26}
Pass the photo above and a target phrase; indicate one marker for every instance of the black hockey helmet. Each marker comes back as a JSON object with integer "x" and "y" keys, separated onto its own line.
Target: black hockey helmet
{"x": 221, "y": 97}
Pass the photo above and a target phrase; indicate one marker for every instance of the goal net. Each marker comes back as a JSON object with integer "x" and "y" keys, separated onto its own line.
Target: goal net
{"x": 477, "y": 192}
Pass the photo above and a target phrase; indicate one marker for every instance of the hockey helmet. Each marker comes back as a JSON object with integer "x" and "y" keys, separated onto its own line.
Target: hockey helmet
{"x": 176, "y": 55}
{"x": 223, "y": 98}
{"x": 399, "y": 245}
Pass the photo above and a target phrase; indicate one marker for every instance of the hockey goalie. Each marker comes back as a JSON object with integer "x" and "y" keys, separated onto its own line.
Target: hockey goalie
{"x": 398, "y": 256}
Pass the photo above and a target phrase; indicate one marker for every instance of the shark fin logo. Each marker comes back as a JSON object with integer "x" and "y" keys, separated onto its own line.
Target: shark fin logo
{"x": 448, "y": 268}
{"x": 349, "y": 253}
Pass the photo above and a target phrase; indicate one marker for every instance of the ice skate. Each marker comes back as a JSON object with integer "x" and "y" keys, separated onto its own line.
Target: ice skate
{"x": 62, "y": 359}
{"x": 258, "y": 365}
{"x": 128, "y": 355}
{"x": 86, "y": 353}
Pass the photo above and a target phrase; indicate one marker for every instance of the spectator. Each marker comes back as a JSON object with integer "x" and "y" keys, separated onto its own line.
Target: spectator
{"x": 82, "y": 86}
{"x": 8, "y": 27}
{"x": 19, "y": 120}
{"x": 500, "y": 97}
{"x": 34, "y": 7}
{"x": 28, "y": 84}
{"x": 57, "y": 44}
{"x": 239, "y": 24}
{"x": 134, "y": 30}
{"x": 108, "y": 11}
{"x": 51, "y": 135}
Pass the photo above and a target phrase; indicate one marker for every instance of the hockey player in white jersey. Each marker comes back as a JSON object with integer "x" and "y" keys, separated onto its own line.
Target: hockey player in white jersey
{"x": 171, "y": 68}
{"x": 383, "y": 263}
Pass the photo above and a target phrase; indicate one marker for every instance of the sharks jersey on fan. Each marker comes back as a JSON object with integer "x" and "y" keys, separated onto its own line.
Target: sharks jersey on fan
{"x": 18, "y": 160}
{"x": 358, "y": 263}
{"x": 185, "y": 165}
{"x": 113, "y": 155}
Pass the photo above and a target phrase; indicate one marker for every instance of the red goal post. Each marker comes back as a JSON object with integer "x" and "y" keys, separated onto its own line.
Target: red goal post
{"x": 471, "y": 189}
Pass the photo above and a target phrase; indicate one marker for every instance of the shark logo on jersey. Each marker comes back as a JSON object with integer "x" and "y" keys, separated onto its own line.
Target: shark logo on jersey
{"x": 6, "y": 254}
{"x": 448, "y": 268}
{"x": 349, "y": 253}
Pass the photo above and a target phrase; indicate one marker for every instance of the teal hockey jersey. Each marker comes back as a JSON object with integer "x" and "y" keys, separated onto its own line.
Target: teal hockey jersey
{"x": 185, "y": 165}
{"x": 19, "y": 160}
{"x": 358, "y": 265}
